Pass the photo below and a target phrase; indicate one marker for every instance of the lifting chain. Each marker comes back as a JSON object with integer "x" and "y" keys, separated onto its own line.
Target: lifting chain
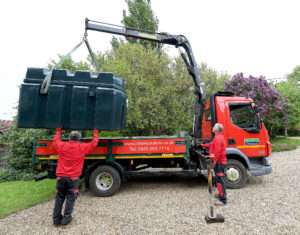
{"x": 47, "y": 80}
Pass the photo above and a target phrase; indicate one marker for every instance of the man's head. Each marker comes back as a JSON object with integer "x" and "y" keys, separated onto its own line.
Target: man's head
{"x": 218, "y": 128}
{"x": 75, "y": 135}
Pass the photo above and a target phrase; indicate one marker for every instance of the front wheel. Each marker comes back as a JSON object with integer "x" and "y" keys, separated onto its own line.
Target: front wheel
{"x": 105, "y": 181}
{"x": 235, "y": 174}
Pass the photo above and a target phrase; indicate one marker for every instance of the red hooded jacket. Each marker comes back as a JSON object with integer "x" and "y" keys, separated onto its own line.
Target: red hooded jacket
{"x": 71, "y": 154}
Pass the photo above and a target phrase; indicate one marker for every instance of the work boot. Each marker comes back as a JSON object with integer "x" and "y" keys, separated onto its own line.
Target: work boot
{"x": 66, "y": 220}
{"x": 57, "y": 221}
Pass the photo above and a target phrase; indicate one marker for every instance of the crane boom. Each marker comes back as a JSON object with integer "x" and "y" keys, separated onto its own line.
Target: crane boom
{"x": 179, "y": 41}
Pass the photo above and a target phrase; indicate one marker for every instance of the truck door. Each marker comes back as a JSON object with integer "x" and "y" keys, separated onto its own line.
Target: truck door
{"x": 243, "y": 130}
{"x": 206, "y": 130}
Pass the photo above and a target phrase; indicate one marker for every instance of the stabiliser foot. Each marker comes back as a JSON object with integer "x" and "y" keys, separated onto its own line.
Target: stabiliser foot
{"x": 218, "y": 219}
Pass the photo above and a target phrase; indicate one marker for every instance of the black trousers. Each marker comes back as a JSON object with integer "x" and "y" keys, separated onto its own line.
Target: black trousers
{"x": 67, "y": 190}
{"x": 219, "y": 181}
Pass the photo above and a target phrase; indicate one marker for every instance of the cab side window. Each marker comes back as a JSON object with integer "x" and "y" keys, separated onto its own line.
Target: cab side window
{"x": 242, "y": 115}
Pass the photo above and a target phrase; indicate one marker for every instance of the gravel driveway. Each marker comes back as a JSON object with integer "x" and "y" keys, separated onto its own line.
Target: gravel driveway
{"x": 268, "y": 205}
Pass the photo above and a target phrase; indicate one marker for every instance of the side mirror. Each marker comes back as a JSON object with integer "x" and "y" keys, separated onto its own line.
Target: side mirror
{"x": 256, "y": 108}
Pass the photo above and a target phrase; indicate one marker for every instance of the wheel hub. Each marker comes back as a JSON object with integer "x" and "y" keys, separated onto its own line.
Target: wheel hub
{"x": 232, "y": 174}
{"x": 104, "y": 181}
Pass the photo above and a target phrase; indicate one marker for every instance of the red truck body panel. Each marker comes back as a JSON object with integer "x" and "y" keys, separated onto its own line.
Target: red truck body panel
{"x": 138, "y": 146}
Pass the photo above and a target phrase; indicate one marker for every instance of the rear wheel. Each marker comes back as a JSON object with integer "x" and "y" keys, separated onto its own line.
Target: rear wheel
{"x": 104, "y": 181}
{"x": 235, "y": 174}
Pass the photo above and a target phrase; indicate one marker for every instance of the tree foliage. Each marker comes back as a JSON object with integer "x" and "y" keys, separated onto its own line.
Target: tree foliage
{"x": 267, "y": 98}
{"x": 151, "y": 87}
{"x": 295, "y": 75}
{"x": 159, "y": 88}
{"x": 140, "y": 16}
{"x": 69, "y": 64}
{"x": 213, "y": 80}
{"x": 20, "y": 143}
{"x": 290, "y": 90}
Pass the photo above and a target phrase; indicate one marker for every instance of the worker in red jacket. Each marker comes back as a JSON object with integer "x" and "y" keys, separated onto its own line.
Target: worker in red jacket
{"x": 217, "y": 154}
{"x": 68, "y": 171}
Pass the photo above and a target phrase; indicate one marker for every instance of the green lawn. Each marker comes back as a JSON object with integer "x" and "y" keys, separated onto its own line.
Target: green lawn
{"x": 284, "y": 144}
{"x": 18, "y": 195}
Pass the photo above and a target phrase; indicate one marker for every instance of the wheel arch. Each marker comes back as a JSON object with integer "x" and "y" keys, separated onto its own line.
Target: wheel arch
{"x": 233, "y": 153}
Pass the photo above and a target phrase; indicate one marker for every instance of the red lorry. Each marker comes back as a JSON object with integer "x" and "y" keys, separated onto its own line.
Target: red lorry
{"x": 115, "y": 159}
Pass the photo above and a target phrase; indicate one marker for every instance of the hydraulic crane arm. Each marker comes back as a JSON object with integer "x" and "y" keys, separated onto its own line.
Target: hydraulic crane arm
{"x": 179, "y": 41}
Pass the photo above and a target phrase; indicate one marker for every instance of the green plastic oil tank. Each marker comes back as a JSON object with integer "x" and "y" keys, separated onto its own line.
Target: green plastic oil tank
{"x": 80, "y": 100}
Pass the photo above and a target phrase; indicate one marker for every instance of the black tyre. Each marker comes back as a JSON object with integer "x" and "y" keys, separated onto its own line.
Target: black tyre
{"x": 236, "y": 175}
{"x": 104, "y": 181}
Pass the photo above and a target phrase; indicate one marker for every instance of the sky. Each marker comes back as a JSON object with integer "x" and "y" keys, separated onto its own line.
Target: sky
{"x": 257, "y": 37}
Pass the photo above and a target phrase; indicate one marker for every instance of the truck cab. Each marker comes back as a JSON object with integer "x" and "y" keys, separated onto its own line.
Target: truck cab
{"x": 247, "y": 139}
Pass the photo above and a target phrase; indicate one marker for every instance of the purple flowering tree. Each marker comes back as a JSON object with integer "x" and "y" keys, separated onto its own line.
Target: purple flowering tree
{"x": 266, "y": 97}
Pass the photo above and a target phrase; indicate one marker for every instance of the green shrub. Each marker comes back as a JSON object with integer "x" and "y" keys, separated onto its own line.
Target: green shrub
{"x": 10, "y": 174}
{"x": 19, "y": 155}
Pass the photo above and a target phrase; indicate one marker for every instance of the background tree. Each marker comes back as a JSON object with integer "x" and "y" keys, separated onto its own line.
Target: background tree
{"x": 71, "y": 65}
{"x": 290, "y": 90}
{"x": 265, "y": 96}
{"x": 159, "y": 88}
{"x": 291, "y": 93}
{"x": 141, "y": 16}
{"x": 213, "y": 80}
{"x": 152, "y": 105}
{"x": 20, "y": 142}
{"x": 295, "y": 75}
